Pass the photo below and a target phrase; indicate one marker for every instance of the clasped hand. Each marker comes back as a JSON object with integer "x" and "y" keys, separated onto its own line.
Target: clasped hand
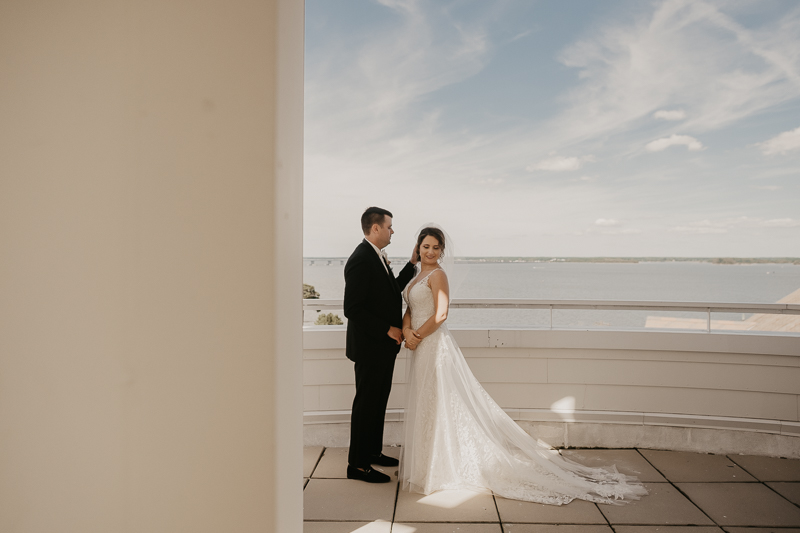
{"x": 412, "y": 338}
{"x": 409, "y": 335}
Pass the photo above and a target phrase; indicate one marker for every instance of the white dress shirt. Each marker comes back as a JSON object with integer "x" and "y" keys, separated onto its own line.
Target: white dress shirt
{"x": 381, "y": 254}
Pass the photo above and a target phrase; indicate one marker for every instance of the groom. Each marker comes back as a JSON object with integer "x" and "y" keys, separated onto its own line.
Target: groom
{"x": 373, "y": 307}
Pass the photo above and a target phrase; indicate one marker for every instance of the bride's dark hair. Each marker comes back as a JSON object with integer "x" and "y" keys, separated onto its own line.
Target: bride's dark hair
{"x": 436, "y": 233}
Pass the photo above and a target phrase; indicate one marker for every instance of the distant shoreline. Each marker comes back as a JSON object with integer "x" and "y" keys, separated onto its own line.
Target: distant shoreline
{"x": 712, "y": 260}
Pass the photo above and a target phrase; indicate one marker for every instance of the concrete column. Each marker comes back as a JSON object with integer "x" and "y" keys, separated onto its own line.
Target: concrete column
{"x": 150, "y": 266}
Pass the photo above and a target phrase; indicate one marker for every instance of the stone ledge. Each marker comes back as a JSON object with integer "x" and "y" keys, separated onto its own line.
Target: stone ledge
{"x": 778, "y": 427}
{"x": 753, "y": 343}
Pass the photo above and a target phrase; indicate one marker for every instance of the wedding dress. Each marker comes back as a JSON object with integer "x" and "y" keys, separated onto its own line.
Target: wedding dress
{"x": 457, "y": 437}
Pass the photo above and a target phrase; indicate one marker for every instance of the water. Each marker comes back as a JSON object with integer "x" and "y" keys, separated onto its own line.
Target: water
{"x": 657, "y": 281}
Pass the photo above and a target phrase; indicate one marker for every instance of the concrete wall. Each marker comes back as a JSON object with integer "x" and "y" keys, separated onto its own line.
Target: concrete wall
{"x": 732, "y": 382}
{"x": 150, "y": 237}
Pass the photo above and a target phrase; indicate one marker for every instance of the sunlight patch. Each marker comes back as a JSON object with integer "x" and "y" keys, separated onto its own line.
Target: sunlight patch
{"x": 565, "y": 408}
{"x": 381, "y": 526}
{"x": 402, "y": 528}
{"x": 448, "y": 499}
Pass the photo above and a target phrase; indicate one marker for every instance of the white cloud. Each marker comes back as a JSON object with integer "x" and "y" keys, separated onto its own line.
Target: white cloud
{"x": 755, "y": 222}
{"x": 693, "y": 52}
{"x": 611, "y": 226}
{"x": 674, "y": 140}
{"x": 698, "y": 229}
{"x": 488, "y": 181}
{"x": 788, "y": 141}
{"x": 706, "y": 226}
{"x": 361, "y": 99}
{"x": 769, "y": 187}
{"x": 560, "y": 163}
{"x": 780, "y": 223}
{"x": 617, "y": 231}
{"x": 675, "y": 114}
{"x": 556, "y": 164}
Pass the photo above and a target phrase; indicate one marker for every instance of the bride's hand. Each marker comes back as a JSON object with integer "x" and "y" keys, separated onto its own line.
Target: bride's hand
{"x": 412, "y": 338}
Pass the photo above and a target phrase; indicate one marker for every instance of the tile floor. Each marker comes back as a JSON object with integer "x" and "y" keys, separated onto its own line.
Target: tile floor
{"x": 689, "y": 493}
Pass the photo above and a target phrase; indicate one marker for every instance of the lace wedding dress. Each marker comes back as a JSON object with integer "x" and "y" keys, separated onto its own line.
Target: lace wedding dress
{"x": 457, "y": 437}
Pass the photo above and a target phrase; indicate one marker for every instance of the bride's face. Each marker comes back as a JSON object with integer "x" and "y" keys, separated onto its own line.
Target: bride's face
{"x": 430, "y": 250}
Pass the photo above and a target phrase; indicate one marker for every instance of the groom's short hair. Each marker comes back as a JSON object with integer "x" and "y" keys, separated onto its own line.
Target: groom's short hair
{"x": 373, "y": 215}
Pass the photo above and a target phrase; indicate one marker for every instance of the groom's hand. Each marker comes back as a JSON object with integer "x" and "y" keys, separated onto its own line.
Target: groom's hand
{"x": 396, "y": 334}
{"x": 414, "y": 255}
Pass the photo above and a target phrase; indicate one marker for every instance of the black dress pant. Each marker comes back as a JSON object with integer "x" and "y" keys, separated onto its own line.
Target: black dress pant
{"x": 373, "y": 385}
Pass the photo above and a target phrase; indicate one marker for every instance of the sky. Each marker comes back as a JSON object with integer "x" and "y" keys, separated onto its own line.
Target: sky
{"x": 555, "y": 128}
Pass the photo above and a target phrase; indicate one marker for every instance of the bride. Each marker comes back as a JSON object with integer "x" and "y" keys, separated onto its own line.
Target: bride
{"x": 456, "y": 436}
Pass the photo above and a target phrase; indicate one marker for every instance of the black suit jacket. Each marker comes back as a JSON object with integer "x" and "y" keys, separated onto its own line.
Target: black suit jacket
{"x": 372, "y": 303}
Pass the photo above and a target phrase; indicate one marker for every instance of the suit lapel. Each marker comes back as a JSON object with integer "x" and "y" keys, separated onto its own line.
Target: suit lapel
{"x": 390, "y": 275}
{"x": 385, "y": 269}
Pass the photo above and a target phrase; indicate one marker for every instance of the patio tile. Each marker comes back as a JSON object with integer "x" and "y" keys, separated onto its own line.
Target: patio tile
{"x": 433, "y": 527}
{"x": 668, "y": 529}
{"x": 664, "y": 505}
{"x": 550, "y": 528}
{"x": 742, "y": 504}
{"x": 576, "y": 512}
{"x": 378, "y": 526}
{"x": 695, "y": 467}
{"x": 628, "y": 462}
{"x": 790, "y": 491}
{"x": 310, "y": 458}
{"x": 347, "y": 499}
{"x": 333, "y": 464}
{"x": 445, "y": 506}
{"x": 769, "y": 468}
{"x": 762, "y": 530}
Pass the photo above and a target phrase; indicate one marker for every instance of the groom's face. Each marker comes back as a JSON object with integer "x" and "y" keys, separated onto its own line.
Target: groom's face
{"x": 384, "y": 232}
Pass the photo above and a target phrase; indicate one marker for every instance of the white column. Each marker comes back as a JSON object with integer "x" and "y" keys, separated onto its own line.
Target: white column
{"x": 150, "y": 266}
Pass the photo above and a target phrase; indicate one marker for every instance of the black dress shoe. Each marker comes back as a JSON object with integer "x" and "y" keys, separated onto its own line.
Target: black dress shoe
{"x": 383, "y": 460}
{"x": 369, "y": 475}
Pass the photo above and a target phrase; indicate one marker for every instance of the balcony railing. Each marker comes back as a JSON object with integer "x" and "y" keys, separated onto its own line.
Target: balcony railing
{"x": 607, "y": 305}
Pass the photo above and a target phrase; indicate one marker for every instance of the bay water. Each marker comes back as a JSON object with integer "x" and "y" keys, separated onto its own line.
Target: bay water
{"x": 652, "y": 281}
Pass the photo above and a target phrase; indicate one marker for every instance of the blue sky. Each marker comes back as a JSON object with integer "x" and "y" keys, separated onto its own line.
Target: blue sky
{"x": 556, "y": 128}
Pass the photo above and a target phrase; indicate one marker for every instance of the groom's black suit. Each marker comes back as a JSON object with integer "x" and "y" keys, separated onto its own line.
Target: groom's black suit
{"x": 372, "y": 304}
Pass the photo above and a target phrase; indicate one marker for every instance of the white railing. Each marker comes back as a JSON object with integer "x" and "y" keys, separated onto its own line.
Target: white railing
{"x": 608, "y": 305}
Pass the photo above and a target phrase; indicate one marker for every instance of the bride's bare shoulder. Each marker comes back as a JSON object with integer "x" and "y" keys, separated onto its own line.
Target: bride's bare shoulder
{"x": 439, "y": 275}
